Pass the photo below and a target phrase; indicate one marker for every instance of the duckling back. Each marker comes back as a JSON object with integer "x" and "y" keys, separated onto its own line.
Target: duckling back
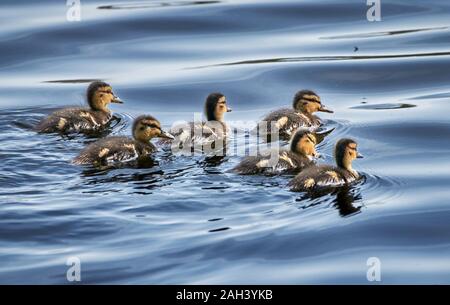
{"x": 285, "y": 121}
{"x": 320, "y": 176}
{"x": 198, "y": 134}
{"x": 286, "y": 163}
{"x": 73, "y": 120}
{"x": 85, "y": 120}
{"x": 113, "y": 149}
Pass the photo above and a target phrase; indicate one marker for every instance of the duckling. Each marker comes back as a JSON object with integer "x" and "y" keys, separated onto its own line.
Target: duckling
{"x": 203, "y": 133}
{"x": 286, "y": 120}
{"x": 301, "y": 153}
{"x": 321, "y": 176}
{"x": 123, "y": 149}
{"x": 83, "y": 120}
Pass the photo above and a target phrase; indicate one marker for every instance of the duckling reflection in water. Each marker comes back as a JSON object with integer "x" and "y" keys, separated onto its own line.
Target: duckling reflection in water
{"x": 124, "y": 149}
{"x": 83, "y": 120}
{"x": 286, "y": 120}
{"x": 345, "y": 201}
{"x": 301, "y": 154}
{"x": 210, "y": 134}
{"x": 322, "y": 176}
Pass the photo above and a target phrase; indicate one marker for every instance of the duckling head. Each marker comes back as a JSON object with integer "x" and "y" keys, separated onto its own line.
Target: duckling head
{"x": 100, "y": 94}
{"x": 303, "y": 142}
{"x": 307, "y": 101}
{"x": 146, "y": 127}
{"x": 216, "y": 107}
{"x": 345, "y": 152}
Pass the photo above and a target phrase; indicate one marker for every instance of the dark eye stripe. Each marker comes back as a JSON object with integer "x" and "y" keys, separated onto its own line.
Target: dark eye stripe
{"x": 312, "y": 101}
{"x": 309, "y": 137}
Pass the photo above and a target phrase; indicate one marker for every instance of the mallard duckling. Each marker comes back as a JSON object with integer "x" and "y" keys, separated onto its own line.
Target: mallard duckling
{"x": 83, "y": 120}
{"x": 203, "y": 133}
{"x": 321, "y": 176}
{"x": 301, "y": 154}
{"x": 123, "y": 149}
{"x": 286, "y": 120}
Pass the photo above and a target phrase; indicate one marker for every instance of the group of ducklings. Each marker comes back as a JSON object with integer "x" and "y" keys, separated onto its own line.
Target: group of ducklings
{"x": 297, "y": 124}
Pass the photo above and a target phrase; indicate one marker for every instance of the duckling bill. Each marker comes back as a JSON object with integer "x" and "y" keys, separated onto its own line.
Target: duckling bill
{"x": 301, "y": 154}
{"x": 83, "y": 120}
{"x": 287, "y": 120}
{"x": 123, "y": 149}
{"x": 321, "y": 176}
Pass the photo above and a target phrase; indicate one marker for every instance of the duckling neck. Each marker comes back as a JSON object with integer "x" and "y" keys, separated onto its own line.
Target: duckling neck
{"x": 305, "y": 114}
{"x": 301, "y": 154}
{"x": 143, "y": 147}
{"x": 347, "y": 165}
{"x": 215, "y": 118}
{"x": 143, "y": 141}
{"x": 101, "y": 109}
{"x": 98, "y": 106}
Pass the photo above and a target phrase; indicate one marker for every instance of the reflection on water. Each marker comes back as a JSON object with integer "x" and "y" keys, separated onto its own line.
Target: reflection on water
{"x": 187, "y": 219}
{"x": 347, "y": 199}
{"x": 343, "y": 199}
{"x": 345, "y": 202}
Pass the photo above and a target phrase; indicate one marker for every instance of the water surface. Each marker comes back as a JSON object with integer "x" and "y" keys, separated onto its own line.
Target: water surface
{"x": 185, "y": 219}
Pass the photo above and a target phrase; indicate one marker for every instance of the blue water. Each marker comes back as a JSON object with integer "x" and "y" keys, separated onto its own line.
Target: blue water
{"x": 186, "y": 220}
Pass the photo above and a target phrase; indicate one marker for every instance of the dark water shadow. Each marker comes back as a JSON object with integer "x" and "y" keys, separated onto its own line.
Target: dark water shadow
{"x": 73, "y": 81}
{"x": 385, "y": 33}
{"x": 386, "y": 106}
{"x": 134, "y": 6}
{"x": 344, "y": 199}
{"x": 349, "y": 199}
{"x": 322, "y": 58}
{"x": 431, "y": 96}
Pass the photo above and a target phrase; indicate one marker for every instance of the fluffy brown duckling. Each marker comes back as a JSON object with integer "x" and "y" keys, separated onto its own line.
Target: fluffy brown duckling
{"x": 123, "y": 149}
{"x": 203, "y": 133}
{"x": 287, "y": 120}
{"x": 299, "y": 156}
{"x": 83, "y": 120}
{"x": 322, "y": 176}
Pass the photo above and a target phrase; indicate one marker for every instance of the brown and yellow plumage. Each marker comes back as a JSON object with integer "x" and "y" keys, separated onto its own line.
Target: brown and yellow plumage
{"x": 82, "y": 120}
{"x": 325, "y": 176}
{"x": 124, "y": 149}
{"x": 286, "y": 121}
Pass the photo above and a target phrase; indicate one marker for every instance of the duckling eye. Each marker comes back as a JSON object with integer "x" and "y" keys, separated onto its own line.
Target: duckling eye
{"x": 142, "y": 128}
